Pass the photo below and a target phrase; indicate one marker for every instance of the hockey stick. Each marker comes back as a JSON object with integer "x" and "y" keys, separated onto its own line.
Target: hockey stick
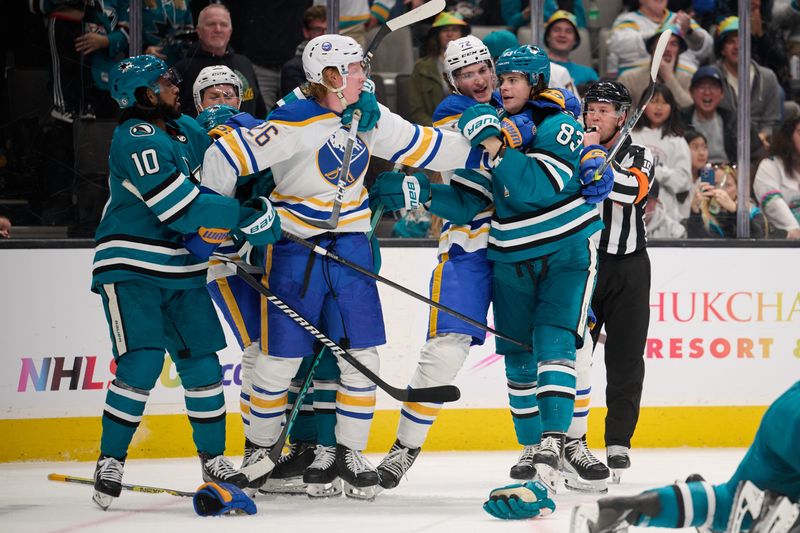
{"x": 358, "y": 268}
{"x": 658, "y": 54}
{"x": 341, "y": 185}
{"x": 127, "y": 486}
{"x": 440, "y": 394}
{"x": 418, "y": 14}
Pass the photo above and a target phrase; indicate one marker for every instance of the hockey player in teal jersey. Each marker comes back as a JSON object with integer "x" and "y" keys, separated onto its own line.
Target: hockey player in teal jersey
{"x": 762, "y": 496}
{"x": 151, "y": 287}
{"x": 544, "y": 262}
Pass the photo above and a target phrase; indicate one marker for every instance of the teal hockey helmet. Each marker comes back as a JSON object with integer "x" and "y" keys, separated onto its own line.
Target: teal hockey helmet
{"x": 134, "y": 72}
{"x": 214, "y": 115}
{"x": 527, "y": 59}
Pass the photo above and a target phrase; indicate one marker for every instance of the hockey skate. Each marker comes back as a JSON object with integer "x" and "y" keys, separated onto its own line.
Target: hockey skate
{"x": 395, "y": 465}
{"x": 219, "y": 469}
{"x": 583, "y": 472}
{"x": 549, "y": 458}
{"x": 769, "y": 511}
{"x": 524, "y": 469}
{"x": 107, "y": 481}
{"x": 618, "y": 458}
{"x": 613, "y": 515}
{"x": 321, "y": 478}
{"x": 287, "y": 476}
{"x": 359, "y": 476}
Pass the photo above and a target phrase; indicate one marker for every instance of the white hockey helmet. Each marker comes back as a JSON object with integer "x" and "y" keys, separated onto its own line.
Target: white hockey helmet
{"x": 462, "y": 53}
{"x": 215, "y": 75}
{"x": 337, "y": 51}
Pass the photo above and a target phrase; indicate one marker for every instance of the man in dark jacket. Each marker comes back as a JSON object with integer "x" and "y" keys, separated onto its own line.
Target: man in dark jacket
{"x": 314, "y": 24}
{"x": 214, "y": 31}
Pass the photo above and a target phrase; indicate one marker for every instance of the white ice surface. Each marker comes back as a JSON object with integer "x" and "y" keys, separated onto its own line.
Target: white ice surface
{"x": 443, "y": 492}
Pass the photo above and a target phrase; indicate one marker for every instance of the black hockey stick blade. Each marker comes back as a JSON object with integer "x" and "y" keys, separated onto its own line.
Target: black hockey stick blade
{"x": 422, "y": 12}
{"x": 441, "y": 394}
{"x": 127, "y": 486}
{"x": 658, "y": 55}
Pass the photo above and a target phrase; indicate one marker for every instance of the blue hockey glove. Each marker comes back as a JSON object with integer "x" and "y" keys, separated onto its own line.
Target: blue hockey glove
{"x": 368, "y": 104}
{"x": 205, "y": 242}
{"x": 591, "y": 319}
{"x": 519, "y": 501}
{"x": 572, "y": 104}
{"x": 595, "y": 188}
{"x": 259, "y": 223}
{"x": 396, "y": 190}
{"x": 518, "y": 130}
{"x": 478, "y": 123}
{"x": 214, "y": 499}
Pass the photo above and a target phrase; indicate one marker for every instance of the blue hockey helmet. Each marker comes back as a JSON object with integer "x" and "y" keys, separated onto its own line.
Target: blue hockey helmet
{"x": 527, "y": 59}
{"x": 214, "y": 115}
{"x": 134, "y": 72}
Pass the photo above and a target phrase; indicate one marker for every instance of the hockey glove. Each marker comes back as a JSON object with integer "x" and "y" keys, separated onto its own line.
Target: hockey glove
{"x": 518, "y": 130}
{"x": 205, "y": 242}
{"x": 368, "y": 104}
{"x": 519, "y": 501}
{"x": 260, "y": 224}
{"x": 478, "y": 123}
{"x": 395, "y": 190}
{"x": 214, "y": 499}
{"x": 591, "y": 319}
{"x": 595, "y": 188}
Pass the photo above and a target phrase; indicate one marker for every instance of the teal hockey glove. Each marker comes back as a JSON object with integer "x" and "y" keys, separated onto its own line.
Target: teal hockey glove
{"x": 518, "y": 130}
{"x": 519, "y": 501}
{"x": 368, "y": 104}
{"x": 595, "y": 188}
{"x": 260, "y": 224}
{"x": 478, "y": 123}
{"x": 214, "y": 499}
{"x": 396, "y": 190}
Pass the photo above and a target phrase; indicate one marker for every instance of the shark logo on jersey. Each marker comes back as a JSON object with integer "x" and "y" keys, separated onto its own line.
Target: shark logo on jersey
{"x": 142, "y": 130}
{"x": 331, "y": 155}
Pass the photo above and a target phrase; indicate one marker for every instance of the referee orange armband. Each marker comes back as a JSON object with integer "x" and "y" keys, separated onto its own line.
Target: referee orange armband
{"x": 644, "y": 183}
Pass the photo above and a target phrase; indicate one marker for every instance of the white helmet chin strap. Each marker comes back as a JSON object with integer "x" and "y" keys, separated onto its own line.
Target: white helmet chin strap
{"x": 338, "y": 92}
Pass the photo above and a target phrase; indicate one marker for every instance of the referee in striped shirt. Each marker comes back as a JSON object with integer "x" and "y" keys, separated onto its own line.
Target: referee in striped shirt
{"x": 621, "y": 298}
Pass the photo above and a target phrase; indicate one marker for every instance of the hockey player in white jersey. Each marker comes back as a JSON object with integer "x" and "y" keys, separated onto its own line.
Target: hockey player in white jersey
{"x": 303, "y": 142}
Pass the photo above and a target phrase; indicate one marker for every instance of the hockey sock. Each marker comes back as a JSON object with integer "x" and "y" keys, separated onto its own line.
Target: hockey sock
{"x": 555, "y": 393}
{"x": 121, "y": 416}
{"x": 271, "y": 378}
{"x": 326, "y": 384}
{"x": 205, "y": 407}
{"x": 521, "y": 376}
{"x": 583, "y": 389}
{"x": 249, "y": 356}
{"x": 355, "y": 400}
{"x": 303, "y": 428}
{"x": 684, "y": 505}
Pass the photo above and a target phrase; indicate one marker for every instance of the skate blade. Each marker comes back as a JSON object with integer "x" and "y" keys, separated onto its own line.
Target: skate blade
{"x": 583, "y": 518}
{"x": 289, "y": 485}
{"x": 104, "y": 501}
{"x": 616, "y": 475}
{"x": 324, "y": 490}
{"x": 549, "y": 476}
{"x": 258, "y": 469}
{"x": 576, "y": 483}
{"x": 360, "y": 493}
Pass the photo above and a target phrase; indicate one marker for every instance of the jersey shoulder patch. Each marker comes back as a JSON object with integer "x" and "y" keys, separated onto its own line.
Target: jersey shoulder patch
{"x": 142, "y": 129}
{"x": 300, "y": 113}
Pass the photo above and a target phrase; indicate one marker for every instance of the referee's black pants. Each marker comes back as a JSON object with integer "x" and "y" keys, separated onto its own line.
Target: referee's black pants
{"x": 621, "y": 302}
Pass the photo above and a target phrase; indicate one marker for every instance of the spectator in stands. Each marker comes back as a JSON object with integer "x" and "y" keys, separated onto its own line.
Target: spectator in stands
{"x": 713, "y": 213}
{"x": 659, "y": 223}
{"x": 167, "y": 26}
{"x": 499, "y": 41}
{"x": 717, "y": 124}
{"x": 268, "y": 35}
{"x": 214, "y": 30}
{"x": 314, "y": 24}
{"x": 629, "y": 34}
{"x": 104, "y": 43}
{"x": 428, "y": 85}
{"x": 517, "y": 13}
{"x": 561, "y": 37}
{"x": 5, "y": 227}
{"x": 765, "y": 92}
{"x": 661, "y": 130}
{"x": 637, "y": 79}
{"x": 357, "y": 17}
{"x": 777, "y": 181}
{"x": 699, "y": 150}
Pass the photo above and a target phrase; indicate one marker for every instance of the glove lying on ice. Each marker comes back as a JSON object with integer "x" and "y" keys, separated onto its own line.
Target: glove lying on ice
{"x": 214, "y": 499}
{"x": 595, "y": 188}
{"x": 396, "y": 190}
{"x": 519, "y": 501}
{"x": 368, "y": 105}
{"x": 259, "y": 223}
